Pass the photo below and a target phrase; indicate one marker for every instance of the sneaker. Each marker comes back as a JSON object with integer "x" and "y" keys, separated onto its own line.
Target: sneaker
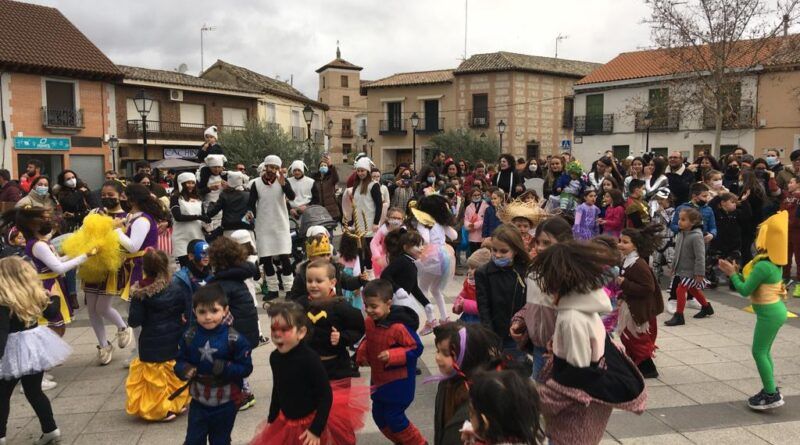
{"x": 693, "y": 304}
{"x": 705, "y": 311}
{"x": 796, "y": 291}
{"x": 124, "y": 337}
{"x": 134, "y": 355}
{"x": 47, "y": 385}
{"x": 763, "y": 401}
{"x": 248, "y": 402}
{"x": 672, "y": 306}
{"x": 676, "y": 320}
{"x": 48, "y": 376}
{"x": 53, "y": 437}
{"x": 169, "y": 417}
{"x": 428, "y": 328}
{"x": 105, "y": 354}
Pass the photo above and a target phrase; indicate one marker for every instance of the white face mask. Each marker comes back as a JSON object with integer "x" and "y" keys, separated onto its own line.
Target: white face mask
{"x": 716, "y": 184}
{"x": 71, "y": 183}
{"x": 394, "y": 222}
{"x": 533, "y": 167}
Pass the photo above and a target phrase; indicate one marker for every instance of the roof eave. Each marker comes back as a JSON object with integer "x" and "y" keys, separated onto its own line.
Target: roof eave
{"x": 407, "y": 84}
{"x": 195, "y": 88}
{"x": 61, "y": 71}
{"x": 517, "y": 69}
{"x": 349, "y": 68}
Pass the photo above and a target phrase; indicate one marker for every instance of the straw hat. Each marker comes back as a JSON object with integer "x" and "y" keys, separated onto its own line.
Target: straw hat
{"x": 520, "y": 209}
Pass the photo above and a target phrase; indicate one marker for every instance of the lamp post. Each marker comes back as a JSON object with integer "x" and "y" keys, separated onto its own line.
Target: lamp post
{"x": 113, "y": 143}
{"x": 143, "y": 105}
{"x": 483, "y": 137}
{"x": 308, "y": 115}
{"x": 647, "y": 121}
{"x": 414, "y": 125}
{"x": 501, "y": 128}
{"x": 371, "y": 143}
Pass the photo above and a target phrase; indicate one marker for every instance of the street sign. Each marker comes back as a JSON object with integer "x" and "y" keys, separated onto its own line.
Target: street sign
{"x": 26, "y": 143}
{"x": 566, "y": 144}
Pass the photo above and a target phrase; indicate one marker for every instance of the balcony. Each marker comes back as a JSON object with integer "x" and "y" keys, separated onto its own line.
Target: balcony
{"x": 65, "y": 119}
{"x": 396, "y": 126}
{"x": 171, "y": 130}
{"x": 479, "y": 119}
{"x": 347, "y": 132}
{"x": 437, "y": 126}
{"x": 667, "y": 120}
{"x": 741, "y": 118}
{"x": 566, "y": 119}
{"x": 298, "y": 133}
{"x": 589, "y": 125}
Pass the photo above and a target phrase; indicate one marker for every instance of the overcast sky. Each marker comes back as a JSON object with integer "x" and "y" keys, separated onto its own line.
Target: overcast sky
{"x": 284, "y": 38}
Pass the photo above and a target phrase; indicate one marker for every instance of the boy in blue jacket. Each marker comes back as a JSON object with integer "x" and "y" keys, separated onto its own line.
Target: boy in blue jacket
{"x": 699, "y": 200}
{"x": 214, "y": 358}
{"x": 192, "y": 276}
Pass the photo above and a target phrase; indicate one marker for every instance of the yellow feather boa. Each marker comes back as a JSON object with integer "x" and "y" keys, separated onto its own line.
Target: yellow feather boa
{"x": 97, "y": 231}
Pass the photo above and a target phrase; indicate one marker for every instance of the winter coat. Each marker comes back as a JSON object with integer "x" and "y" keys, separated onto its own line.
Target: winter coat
{"x": 185, "y": 283}
{"x": 240, "y": 302}
{"x": 500, "y": 294}
{"x": 490, "y": 221}
{"x": 690, "y": 254}
{"x": 729, "y": 230}
{"x": 324, "y": 192}
{"x": 508, "y": 180}
{"x": 476, "y": 218}
{"x": 157, "y": 308}
{"x": 10, "y": 192}
{"x": 709, "y": 223}
{"x": 448, "y": 433}
{"x": 640, "y": 290}
{"x": 679, "y": 183}
{"x": 234, "y": 206}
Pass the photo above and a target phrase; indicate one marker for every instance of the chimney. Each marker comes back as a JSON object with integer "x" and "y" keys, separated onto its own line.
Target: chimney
{"x": 785, "y": 25}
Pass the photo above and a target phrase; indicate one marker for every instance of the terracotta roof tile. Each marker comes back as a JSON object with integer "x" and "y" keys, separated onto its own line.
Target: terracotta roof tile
{"x": 413, "y": 78}
{"x": 506, "y": 61}
{"x": 40, "y": 39}
{"x": 246, "y": 78}
{"x": 341, "y": 64}
{"x": 176, "y": 78}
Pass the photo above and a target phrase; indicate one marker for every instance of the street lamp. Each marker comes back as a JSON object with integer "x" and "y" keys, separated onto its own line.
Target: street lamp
{"x": 371, "y": 143}
{"x": 483, "y": 137}
{"x": 501, "y": 128}
{"x": 330, "y": 132}
{"x": 414, "y": 125}
{"x": 308, "y": 115}
{"x": 113, "y": 143}
{"x": 143, "y": 105}
{"x": 647, "y": 122}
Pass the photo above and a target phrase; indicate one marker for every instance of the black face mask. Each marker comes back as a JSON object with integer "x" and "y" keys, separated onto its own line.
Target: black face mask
{"x": 125, "y": 205}
{"x": 109, "y": 203}
{"x": 450, "y": 194}
{"x": 45, "y": 228}
{"x": 701, "y": 203}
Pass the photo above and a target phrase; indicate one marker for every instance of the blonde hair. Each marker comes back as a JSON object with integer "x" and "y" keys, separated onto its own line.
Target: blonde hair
{"x": 21, "y": 290}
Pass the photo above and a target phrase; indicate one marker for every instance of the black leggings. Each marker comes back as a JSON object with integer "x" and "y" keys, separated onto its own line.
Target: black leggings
{"x": 32, "y": 384}
{"x": 473, "y": 246}
{"x": 367, "y": 253}
{"x": 269, "y": 266}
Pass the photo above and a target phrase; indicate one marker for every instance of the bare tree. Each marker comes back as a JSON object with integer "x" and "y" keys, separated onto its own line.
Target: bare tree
{"x": 709, "y": 46}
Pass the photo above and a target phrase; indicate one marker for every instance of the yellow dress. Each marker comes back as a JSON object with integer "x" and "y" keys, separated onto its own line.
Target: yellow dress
{"x": 149, "y": 386}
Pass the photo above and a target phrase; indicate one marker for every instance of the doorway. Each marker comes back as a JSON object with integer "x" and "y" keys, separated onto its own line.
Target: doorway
{"x": 52, "y": 165}
{"x": 532, "y": 150}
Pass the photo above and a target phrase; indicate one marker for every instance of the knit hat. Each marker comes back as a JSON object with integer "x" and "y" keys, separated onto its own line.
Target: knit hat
{"x": 319, "y": 246}
{"x": 297, "y": 165}
{"x": 211, "y": 131}
{"x": 215, "y": 160}
{"x": 236, "y": 180}
{"x": 479, "y": 258}
{"x": 273, "y": 160}
{"x": 185, "y": 177}
{"x": 364, "y": 163}
{"x": 242, "y": 237}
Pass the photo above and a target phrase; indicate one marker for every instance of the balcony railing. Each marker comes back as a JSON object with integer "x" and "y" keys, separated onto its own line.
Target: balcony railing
{"x": 347, "y": 132}
{"x": 741, "y": 118}
{"x": 62, "y": 118}
{"x": 437, "y": 126}
{"x": 172, "y": 130}
{"x": 298, "y": 133}
{"x": 479, "y": 119}
{"x": 393, "y": 126}
{"x": 566, "y": 119}
{"x": 667, "y": 120}
{"x": 589, "y": 125}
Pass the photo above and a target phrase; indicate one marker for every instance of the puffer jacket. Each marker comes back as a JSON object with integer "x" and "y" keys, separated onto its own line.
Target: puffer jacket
{"x": 157, "y": 308}
{"x": 500, "y": 293}
{"x": 240, "y": 301}
{"x": 234, "y": 206}
{"x": 690, "y": 254}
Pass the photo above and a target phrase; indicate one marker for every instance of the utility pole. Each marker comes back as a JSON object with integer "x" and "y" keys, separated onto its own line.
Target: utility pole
{"x": 558, "y": 39}
{"x": 203, "y": 29}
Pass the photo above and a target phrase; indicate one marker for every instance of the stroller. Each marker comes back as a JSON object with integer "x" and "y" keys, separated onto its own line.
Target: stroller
{"x": 315, "y": 215}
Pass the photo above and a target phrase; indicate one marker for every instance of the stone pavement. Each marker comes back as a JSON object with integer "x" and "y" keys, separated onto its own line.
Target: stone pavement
{"x": 706, "y": 375}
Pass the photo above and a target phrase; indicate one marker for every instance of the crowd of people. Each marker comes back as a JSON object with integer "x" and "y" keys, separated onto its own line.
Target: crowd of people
{"x": 554, "y": 326}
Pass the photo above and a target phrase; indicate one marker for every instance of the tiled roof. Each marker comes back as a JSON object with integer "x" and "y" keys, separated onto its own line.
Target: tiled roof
{"x": 414, "y": 78}
{"x": 670, "y": 61}
{"x": 176, "y": 78}
{"x": 246, "y": 78}
{"x": 506, "y": 61}
{"x": 341, "y": 64}
{"x": 40, "y": 39}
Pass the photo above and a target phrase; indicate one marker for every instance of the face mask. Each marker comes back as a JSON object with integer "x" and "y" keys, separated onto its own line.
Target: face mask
{"x": 71, "y": 183}
{"x": 733, "y": 170}
{"x": 477, "y": 200}
{"x": 394, "y": 222}
{"x": 451, "y": 194}
{"x": 716, "y": 184}
{"x": 323, "y": 170}
{"x": 772, "y": 161}
{"x": 533, "y": 167}
{"x": 46, "y": 228}
{"x": 41, "y": 190}
{"x": 431, "y": 179}
{"x": 502, "y": 262}
{"x": 109, "y": 203}
{"x": 701, "y": 203}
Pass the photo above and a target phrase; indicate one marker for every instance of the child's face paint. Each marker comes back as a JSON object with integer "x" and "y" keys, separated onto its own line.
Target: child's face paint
{"x": 285, "y": 337}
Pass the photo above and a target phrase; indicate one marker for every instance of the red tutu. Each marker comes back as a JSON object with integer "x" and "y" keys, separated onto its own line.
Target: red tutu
{"x": 350, "y": 404}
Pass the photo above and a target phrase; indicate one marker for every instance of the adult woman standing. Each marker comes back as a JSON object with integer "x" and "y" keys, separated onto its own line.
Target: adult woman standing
{"x": 507, "y": 178}
{"x": 39, "y": 196}
{"x": 752, "y": 193}
{"x": 658, "y": 180}
{"x": 532, "y": 169}
{"x": 402, "y": 191}
{"x": 365, "y": 206}
{"x": 603, "y": 167}
{"x": 324, "y": 191}
{"x": 186, "y": 208}
{"x": 555, "y": 170}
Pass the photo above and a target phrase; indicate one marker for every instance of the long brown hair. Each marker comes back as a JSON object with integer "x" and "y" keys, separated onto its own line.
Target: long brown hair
{"x": 510, "y": 235}
{"x": 572, "y": 266}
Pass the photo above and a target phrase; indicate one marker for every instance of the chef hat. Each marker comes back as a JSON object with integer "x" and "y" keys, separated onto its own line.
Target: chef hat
{"x": 242, "y": 236}
{"x": 185, "y": 177}
{"x": 297, "y": 165}
{"x": 216, "y": 160}
{"x": 236, "y": 180}
{"x": 260, "y": 168}
{"x": 211, "y": 131}
{"x": 273, "y": 160}
{"x": 364, "y": 163}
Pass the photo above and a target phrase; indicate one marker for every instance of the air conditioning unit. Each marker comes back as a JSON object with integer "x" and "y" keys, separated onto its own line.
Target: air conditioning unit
{"x": 176, "y": 95}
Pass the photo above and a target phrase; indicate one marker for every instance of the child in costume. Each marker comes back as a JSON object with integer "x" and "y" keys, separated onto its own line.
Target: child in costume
{"x": 570, "y": 187}
{"x": 474, "y": 212}
{"x": 586, "y": 225}
{"x": 579, "y": 392}
{"x": 157, "y": 309}
{"x": 761, "y": 281}
{"x": 28, "y": 350}
{"x": 242, "y": 238}
{"x": 337, "y": 326}
{"x": 214, "y": 358}
{"x": 362, "y": 205}
{"x": 614, "y": 219}
{"x": 391, "y": 349}
{"x": 437, "y": 263}
{"x": 611, "y": 287}
{"x": 191, "y": 277}
{"x": 394, "y": 219}
{"x": 350, "y": 253}
{"x": 465, "y": 303}
{"x": 689, "y": 266}
{"x": 636, "y": 211}
{"x": 525, "y": 216}
{"x": 640, "y": 300}
{"x": 300, "y": 406}
{"x": 662, "y": 216}
{"x": 404, "y": 247}
{"x": 186, "y": 207}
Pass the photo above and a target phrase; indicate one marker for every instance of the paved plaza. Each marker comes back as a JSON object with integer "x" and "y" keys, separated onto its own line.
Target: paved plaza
{"x": 706, "y": 375}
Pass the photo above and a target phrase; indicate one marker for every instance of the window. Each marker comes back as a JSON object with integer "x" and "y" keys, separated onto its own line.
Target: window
{"x": 135, "y": 119}
{"x": 346, "y": 124}
{"x": 432, "y": 115}
{"x": 480, "y": 110}
{"x": 346, "y": 148}
{"x": 394, "y": 115}
{"x": 60, "y": 110}
{"x": 621, "y": 151}
{"x": 295, "y": 118}
{"x": 346, "y": 101}
{"x": 234, "y": 117}
{"x": 594, "y": 113}
{"x": 344, "y": 82}
{"x": 347, "y": 130}
{"x": 193, "y": 115}
{"x": 569, "y": 112}
{"x": 323, "y": 82}
{"x": 271, "y": 113}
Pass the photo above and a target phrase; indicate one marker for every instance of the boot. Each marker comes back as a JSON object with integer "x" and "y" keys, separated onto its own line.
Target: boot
{"x": 648, "y": 369}
{"x": 676, "y": 320}
{"x": 72, "y": 299}
{"x": 288, "y": 282}
{"x": 409, "y": 436}
{"x": 705, "y": 311}
{"x": 272, "y": 287}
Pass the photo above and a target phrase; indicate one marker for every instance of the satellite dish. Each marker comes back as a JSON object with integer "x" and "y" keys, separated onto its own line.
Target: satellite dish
{"x": 182, "y": 68}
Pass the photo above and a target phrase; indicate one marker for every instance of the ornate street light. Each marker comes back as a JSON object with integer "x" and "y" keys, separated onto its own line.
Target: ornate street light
{"x": 414, "y": 125}
{"x": 501, "y": 128}
{"x": 371, "y": 143}
{"x": 113, "y": 143}
{"x": 143, "y": 105}
{"x": 647, "y": 122}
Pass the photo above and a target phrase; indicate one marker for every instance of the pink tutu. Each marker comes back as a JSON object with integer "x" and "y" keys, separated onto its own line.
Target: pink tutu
{"x": 438, "y": 260}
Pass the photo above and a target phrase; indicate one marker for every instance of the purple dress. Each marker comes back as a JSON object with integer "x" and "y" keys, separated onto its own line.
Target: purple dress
{"x": 586, "y": 227}
{"x": 133, "y": 263}
{"x": 55, "y": 286}
{"x": 120, "y": 282}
